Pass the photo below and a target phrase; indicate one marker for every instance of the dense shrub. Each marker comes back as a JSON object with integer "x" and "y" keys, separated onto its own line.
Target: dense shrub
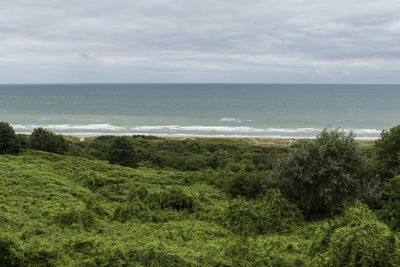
{"x": 319, "y": 175}
{"x": 9, "y": 143}
{"x": 91, "y": 179}
{"x": 187, "y": 155}
{"x": 11, "y": 253}
{"x": 242, "y": 183}
{"x": 134, "y": 210}
{"x": 74, "y": 216}
{"x": 121, "y": 152}
{"x": 169, "y": 198}
{"x": 388, "y": 152}
{"x": 45, "y": 140}
{"x": 145, "y": 206}
{"x": 23, "y": 139}
{"x": 356, "y": 239}
{"x": 390, "y": 212}
{"x": 271, "y": 213}
{"x": 157, "y": 254}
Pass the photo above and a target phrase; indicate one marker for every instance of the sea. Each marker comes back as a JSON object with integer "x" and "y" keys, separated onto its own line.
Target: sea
{"x": 201, "y": 110}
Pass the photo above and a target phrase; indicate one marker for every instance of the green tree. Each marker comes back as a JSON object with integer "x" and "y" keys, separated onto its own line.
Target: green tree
{"x": 388, "y": 152}
{"x": 122, "y": 152}
{"x": 43, "y": 139}
{"x": 319, "y": 175}
{"x": 9, "y": 143}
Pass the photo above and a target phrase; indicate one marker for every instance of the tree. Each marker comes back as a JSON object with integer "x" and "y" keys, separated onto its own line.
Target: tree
{"x": 319, "y": 175}
{"x": 388, "y": 152}
{"x": 43, "y": 139}
{"x": 9, "y": 143}
{"x": 121, "y": 152}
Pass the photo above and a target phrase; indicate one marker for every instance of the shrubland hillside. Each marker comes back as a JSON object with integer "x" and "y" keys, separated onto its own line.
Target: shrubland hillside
{"x": 198, "y": 202}
{"x": 66, "y": 210}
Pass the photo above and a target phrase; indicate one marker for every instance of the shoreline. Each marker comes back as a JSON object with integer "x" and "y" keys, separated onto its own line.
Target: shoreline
{"x": 187, "y": 136}
{"x": 258, "y": 140}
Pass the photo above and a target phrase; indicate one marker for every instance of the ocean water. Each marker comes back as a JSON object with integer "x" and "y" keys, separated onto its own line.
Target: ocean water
{"x": 215, "y": 110}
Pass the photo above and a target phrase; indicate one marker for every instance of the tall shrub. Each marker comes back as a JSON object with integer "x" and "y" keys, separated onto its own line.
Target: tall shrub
{"x": 121, "y": 152}
{"x": 319, "y": 175}
{"x": 388, "y": 152}
{"x": 43, "y": 139}
{"x": 9, "y": 143}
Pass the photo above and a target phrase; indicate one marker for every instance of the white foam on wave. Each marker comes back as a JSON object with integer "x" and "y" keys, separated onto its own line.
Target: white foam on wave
{"x": 195, "y": 130}
{"x": 292, "y": 130}
{"x": 89, "y": 134}
{"x": 20, "y": 127}
{"x": 364, "y": 131}
{"x": 200, "y": 128}
{"x": 156, "y": 127}
{"x": 102, "y": 126}
{"x": 66, "y": 127}
{"x": 230, "y": 120}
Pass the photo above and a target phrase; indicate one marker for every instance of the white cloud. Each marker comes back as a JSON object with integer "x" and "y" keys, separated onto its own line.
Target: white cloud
{"x": 196, "y": 41}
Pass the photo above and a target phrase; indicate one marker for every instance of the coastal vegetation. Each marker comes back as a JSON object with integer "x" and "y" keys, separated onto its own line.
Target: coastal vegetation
{"x": 149, "y": 201}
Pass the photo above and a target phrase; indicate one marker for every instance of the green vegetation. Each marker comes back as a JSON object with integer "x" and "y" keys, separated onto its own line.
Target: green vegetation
{"x": 122, "y": 152}
{"x": 199, "y": 202}
{"x": 45, "y": 140}
{"x": 9, "y": 143}
{"x": 388, "y": 151}
{"x": 319, "y": 175}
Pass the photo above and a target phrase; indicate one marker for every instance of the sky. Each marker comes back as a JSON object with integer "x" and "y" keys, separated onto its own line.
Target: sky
{"x": 205, "y": 41}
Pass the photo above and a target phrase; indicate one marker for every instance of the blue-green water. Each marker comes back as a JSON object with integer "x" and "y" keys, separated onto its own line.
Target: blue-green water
{"x": 249, "y": 110}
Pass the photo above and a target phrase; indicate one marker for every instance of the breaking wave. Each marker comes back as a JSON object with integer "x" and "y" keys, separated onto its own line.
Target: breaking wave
{"x": 194, "y": 130}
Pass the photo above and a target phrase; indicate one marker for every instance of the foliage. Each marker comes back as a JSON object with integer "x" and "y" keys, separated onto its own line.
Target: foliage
{"x": 45, "y": 140}
{"x": 9, "y": 143}
{"x": 122, "y": 152}
{"x": 319, "y": 175}
{"x": 388, "y": 151}
{"x": 358, "y": 238}
{"x": 194, "y": 202}
{"x": 273, "y": 213}
{"x": 23, "y": 139}
{"x": 186, "y": 155}
{"x": 242, "y": 183}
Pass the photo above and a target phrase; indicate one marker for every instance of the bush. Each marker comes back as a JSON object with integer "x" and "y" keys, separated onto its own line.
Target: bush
{"x": 319, "y": 175}
{"x": 170, "y": 198}
{"x": 390, "y": 212}
{"x": 122, "y": 152}
{"x": 45, "y": 140}
{"x": 23, "y": 139}
{"x": 73, "y": 216}
{"x": 243, "y": 183}
{"x": 132, "y": 210}
{"x": 272, "y": 213}
{"x": 388, "y": 151}
{"x": 356, "y": 239}
{"x": 9, "y": 143}
{"x": 11, "y": 253}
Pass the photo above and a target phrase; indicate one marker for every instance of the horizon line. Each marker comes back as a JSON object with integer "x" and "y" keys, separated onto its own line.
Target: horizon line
{"x": 191, "y": 83}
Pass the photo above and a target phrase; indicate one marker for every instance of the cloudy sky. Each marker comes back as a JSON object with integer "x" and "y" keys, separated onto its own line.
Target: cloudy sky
{"x": 254, "y": 41}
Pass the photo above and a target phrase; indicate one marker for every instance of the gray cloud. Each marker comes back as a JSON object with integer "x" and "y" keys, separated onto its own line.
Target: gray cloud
{"x": 200, "y": 41}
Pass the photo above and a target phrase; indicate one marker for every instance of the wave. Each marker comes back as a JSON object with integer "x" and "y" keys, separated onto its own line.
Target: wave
{"x": 194, "y": 129}
{"x": 66, "y": 127}
{"x": 230, "y": 120}
{"x": 234, "y": 120}
{"x": 199, "y": 128}
{"x": 187, "y": 135}
{"x": 364, "y": 131}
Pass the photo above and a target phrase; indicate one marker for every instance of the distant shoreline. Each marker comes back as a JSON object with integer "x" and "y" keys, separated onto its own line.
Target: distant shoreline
{"x": 258, "y": 140}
